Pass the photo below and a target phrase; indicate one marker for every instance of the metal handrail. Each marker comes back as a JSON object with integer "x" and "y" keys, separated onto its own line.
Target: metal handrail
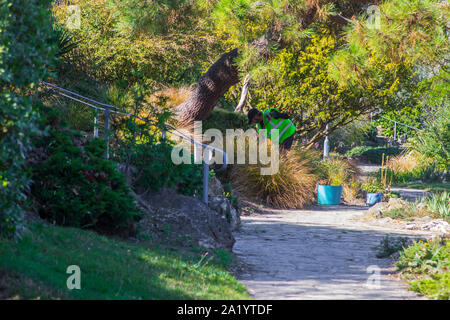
{"x": 108, "y": 108}
{"x": 395, "y": 123}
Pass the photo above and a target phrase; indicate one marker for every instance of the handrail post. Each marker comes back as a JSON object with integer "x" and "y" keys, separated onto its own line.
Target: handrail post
{"x": 395, "y": 130}
{"x": 326, "y": 144}
{"x": 107, "y": 132}
{"x": 163, "y": 133}
{"x": 96, "y": 123}
{"x": 206, "y": 160}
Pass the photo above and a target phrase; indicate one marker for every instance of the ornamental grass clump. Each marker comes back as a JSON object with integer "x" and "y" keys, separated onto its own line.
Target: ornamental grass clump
{"x": 337, "y": 171}
{"x": 292, "y": 187}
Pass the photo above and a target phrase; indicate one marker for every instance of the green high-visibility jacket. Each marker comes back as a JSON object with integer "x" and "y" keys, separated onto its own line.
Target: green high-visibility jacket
{"x": 285, "y": 126}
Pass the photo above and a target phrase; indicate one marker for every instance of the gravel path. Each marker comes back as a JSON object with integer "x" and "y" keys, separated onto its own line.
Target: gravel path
{"x": 323, "y": 253}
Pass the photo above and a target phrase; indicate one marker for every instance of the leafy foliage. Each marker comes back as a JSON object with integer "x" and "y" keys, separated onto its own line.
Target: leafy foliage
{"x": 372, "y": 154}
{"x": 76, "y": 186}
{"x": 433, "y": 141}
{"x": 26, "y": 53}
{"x": 409, "y": 33}
{"x": 439, "y": 204}
{"x": 138, "y": 41}
{"x": 430, "y": 262}
{"x": 336, "y": 171}
{"x": 297, "y": 82}
{"x": 138, "y": 146}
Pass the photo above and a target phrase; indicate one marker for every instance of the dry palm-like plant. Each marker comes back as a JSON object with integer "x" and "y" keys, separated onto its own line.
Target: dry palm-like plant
{"x": 292, "y": 187}
{"x": 173, "y": 96}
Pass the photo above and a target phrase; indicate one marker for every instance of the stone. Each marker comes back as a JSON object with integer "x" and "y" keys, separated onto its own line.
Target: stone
{"x": 177, "y": 219}
{"x": 397, "y": 203}
{"x": 377, "y": 209}
{"x": 223, "y": 206}
{"x": 424, "y": 219}
{"x": 386, "y": 220}
{"x": 215, "y": 187}
{"x": 437, "y": 225}
{"x": 411, "y": 226}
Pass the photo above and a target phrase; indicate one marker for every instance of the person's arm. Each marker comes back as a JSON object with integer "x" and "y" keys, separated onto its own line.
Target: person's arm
{"x": 278, "y": 115}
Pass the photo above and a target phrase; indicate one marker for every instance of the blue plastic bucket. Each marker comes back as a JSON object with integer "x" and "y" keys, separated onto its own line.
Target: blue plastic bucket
{"x": 329, "y": 194}
{"x": 373, "y": 198}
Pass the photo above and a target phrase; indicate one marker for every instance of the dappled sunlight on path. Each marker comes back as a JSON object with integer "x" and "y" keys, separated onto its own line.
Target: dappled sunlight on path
{"x": 320, "y": 253}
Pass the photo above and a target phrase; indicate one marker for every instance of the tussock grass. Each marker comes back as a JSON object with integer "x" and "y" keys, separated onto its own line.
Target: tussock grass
{"x": 292, "y": 187}
{"x": 403, "y": 163}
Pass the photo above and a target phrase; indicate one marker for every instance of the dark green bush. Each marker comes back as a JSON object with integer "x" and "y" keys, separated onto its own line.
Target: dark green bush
{"x": 223, "y": 119}
{"x": 373, "y": 154}
{"x": 26, "y": 54}
{"x": 138, "y": 145}
{"x": 76, "y": 186}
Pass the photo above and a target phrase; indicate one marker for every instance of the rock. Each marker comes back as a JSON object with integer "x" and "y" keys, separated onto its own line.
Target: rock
{"x": 215, "y": 187}
{"x": 129, "y": 172}
{"x": 437, "y": 225}
{"x": 386, "y": 220}
{"x": 396, "y": 203}
{"x": 187, "y": 221}
{"x": 377, "y": 209}
{"x": 222, "y": 205}
{"x": 424, "y": 219}
{"x": 411, "y": 226}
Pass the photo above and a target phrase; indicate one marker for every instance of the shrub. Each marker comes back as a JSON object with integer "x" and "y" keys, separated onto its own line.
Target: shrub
{"x": 292, "y": 187}
{"x": 137, "y": 145}
{"x": 433, "y": 142}
{"x": 439, "y": 204}
{"x": 113, "y": 48}
{"x": 351, "y": 190}
{"x": 354, "y": 134}
{"x": 337, "y": 171}
{"x": 372, "y": 154}
{"x": 429, "y": 263}
{"x": 26, "y": 54}
{"x": 74, "y": 185}
{"x": 372, "y": 185}
{"x": 223, "y": 119}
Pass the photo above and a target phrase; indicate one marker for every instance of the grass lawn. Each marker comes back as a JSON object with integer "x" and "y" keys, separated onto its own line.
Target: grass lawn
{"x": 34, "y": 267}
{"x": 436, "y": 187}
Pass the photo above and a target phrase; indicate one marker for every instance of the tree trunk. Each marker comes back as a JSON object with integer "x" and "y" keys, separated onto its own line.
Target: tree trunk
{"x": 244, "y": 93}
{"x": 211, "y": 86}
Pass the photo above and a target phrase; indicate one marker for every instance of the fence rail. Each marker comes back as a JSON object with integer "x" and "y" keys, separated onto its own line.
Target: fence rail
{"x": 108, "y": 109}
{"x": 395, "y": 123}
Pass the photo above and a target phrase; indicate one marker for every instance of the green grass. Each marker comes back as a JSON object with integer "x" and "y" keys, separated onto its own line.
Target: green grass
{"x": 35, "y": 267}
{"x": 433, "y": 187}
{"x": 372, "y": 154}
{"x": 427, "y": 265}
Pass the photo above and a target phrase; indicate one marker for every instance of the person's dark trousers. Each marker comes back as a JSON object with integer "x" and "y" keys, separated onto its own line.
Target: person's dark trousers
{"x": 287, "y": 143}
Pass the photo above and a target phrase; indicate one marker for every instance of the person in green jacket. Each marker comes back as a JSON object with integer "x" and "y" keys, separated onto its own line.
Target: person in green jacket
{"x": 272, "y": 119}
